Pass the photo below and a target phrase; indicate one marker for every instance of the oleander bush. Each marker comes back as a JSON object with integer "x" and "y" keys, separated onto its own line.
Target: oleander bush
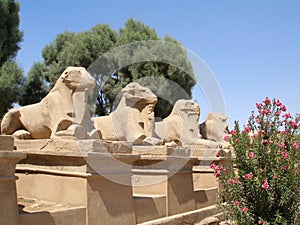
{"x": 260, "y": 184}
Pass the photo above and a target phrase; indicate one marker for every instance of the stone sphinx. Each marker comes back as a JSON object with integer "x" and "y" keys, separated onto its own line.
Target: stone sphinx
{"x": 62, "y": 112}
{"x": 133, "y": 119}
{"x": 181, "y": 126}
{"x": 215, "y": 128}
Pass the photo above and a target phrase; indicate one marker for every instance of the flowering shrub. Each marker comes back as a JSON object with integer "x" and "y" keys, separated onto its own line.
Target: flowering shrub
{"x": 261, "y": 183}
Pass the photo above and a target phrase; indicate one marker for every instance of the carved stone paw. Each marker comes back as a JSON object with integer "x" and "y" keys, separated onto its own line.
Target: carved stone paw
{"x": 208, "y": 143}
{"x": 22, "y": 134}
{"x": 171, "y": 144}
{"x": 74, "y": 131}
{"x": 225, "y": 145}
{"x": 139, "y": 140}
{"x": 152, "y": 141}
{"x": 94, "y": 134}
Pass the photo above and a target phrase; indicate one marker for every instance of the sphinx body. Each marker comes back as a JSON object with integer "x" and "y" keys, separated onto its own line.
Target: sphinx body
{"x": 64, "y": 105}
{"x": 133, "y": 119}
{"x": 181, "y": 126}
{"x": 215, "y": 128}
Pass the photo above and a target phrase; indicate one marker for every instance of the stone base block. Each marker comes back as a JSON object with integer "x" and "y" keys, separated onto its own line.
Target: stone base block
{"x": 67, "y": 216}
{"x": 160, "y": 151}
{"x": 63, "y": 190}
{"x": 204, "y": 180}
{"x": 205, "y": 197}
{"x": 6, "y": 143}
{"x": 191, "y": 217}
{"x": 149, "y": 207}
{"x": 72, "y": 145}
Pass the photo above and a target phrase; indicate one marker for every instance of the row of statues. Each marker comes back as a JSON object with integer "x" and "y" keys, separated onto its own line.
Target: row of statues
{"x": 64, "y": 113}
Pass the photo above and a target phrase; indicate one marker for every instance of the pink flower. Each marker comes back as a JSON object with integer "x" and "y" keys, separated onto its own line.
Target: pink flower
{"x": 278, "y": 103}
{"x": 265, "y": 185}
{"x": 251, "y": 155}
{"x": 233, "y": 132}
{"x": 258, "y": 105}
{"x": 237, "y": 140}
{"x": 295, "y": 145}
{"x": 245, "y": 209}
{"x": 287, "y": 115}
{"x": 267, "y": 112}
{"x": 218, "y": 153}
{"x": 275, "y": 176}
{"x": 247, "y": 129}
{"x": 234, "y": 181}
{"x": 294, "y": 124}
{"x": 267, "y": 101}
{"x": 248, "y": 176}
{"x": 213, "y": 166}
{"x": 285, "y": 154}
{"x": 257, "y": 119}
{"x": 262, "y": 132}
{"x": 282, "y": 145}
{"x": 260, "y": 222}
{"x": 217, "y": 173}
{"x": 283, "y": 108}
{"x": 229, "y": 181}
{"x": 284, "y": 167}
{"x": 271, "y": 142}
{"x": 277, "y": 113}
{"x": 226, "y": 138}
{"x": 217, "y": 169}
{"x": 264, "y": 142}
{"x": 235, "y": 203}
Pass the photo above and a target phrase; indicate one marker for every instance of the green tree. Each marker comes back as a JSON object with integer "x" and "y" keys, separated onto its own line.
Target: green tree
{"x": 34, "y": 87}
{"x": 81, "y": 49}
{"x": 178, "y": 69}
{"x": 11, "y": 76}
{"x": 10, "y": 35}
{"x": 84, "y": 48}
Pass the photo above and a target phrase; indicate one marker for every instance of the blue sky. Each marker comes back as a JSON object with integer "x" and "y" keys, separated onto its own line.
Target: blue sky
{"x": 252, "y": 47}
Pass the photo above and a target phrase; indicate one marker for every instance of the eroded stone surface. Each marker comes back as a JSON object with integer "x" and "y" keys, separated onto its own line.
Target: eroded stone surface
{"x": 215, "y": 128}
{"x": 6, "y": 143}
{"x": 63, "y": 106}
{"x": 181, "y": 126}
{"x": 133, "y": 120}
{"x": 73, "y": 145}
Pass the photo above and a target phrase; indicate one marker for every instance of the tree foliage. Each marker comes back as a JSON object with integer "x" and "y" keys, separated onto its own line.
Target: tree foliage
{"x": 84, "y": 48}
{"x": 11, "y": 76}
{"x": 34, "y": 87}
{"x": 79, "y": 49}
{"x": 10, "y": 35}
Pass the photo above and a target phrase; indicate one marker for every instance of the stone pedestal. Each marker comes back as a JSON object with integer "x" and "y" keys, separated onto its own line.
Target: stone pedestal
{"x": 166, "y": 175}
{"x": 6, "y": 143}
{"x": 8, "y": 204}
{"x": 99, "y": 182}
{"x": 109, "y": 189}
